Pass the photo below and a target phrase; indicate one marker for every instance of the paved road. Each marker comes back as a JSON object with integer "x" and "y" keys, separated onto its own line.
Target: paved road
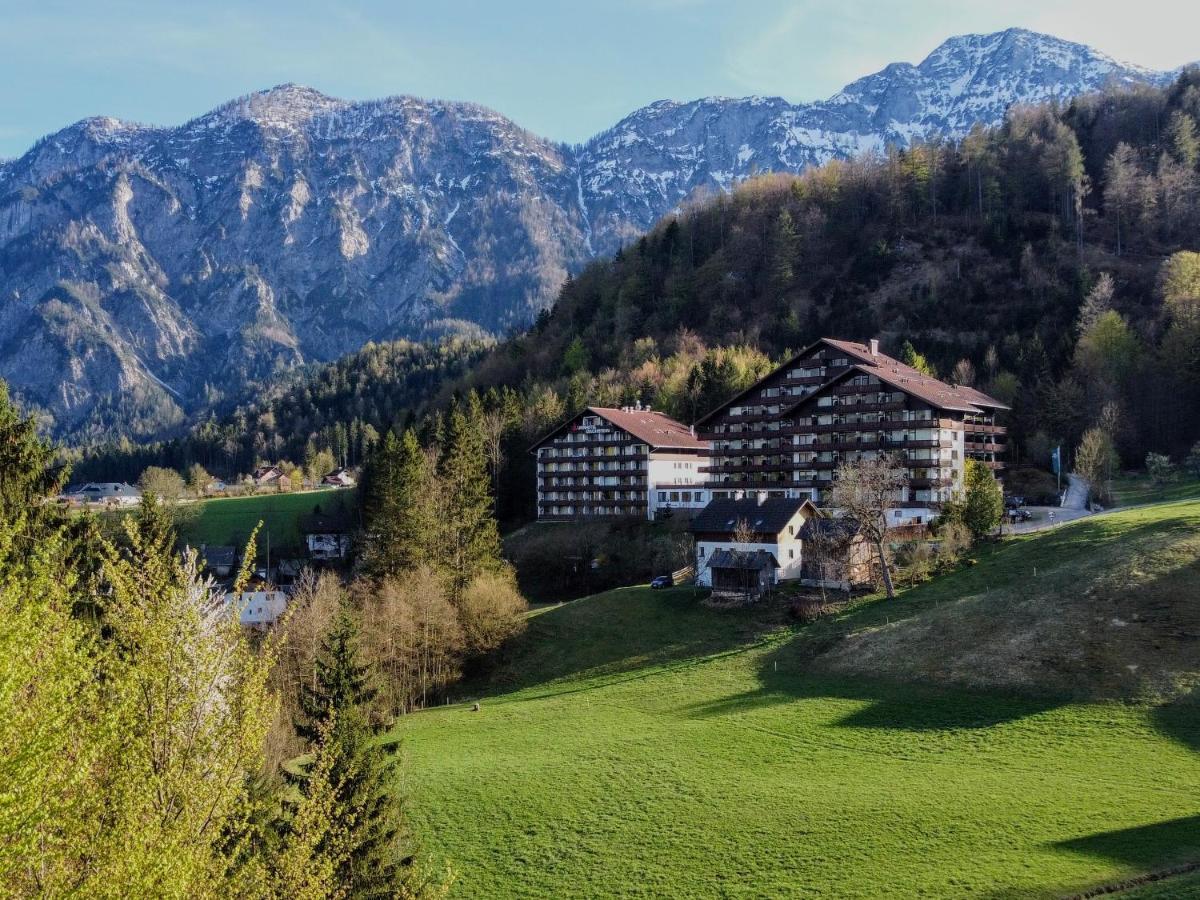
{"x": 1074, "y": 507}
{"x": 1077, "y": 493}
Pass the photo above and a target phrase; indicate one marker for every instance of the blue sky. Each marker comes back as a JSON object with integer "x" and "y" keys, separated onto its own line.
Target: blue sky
{"x": 563, "y": 69}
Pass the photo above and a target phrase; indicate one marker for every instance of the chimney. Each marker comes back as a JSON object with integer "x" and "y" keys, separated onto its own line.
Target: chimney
{"x": 874, "y": 346}
{"x": 739, "y": 495}
{"x": 761, "y": 498}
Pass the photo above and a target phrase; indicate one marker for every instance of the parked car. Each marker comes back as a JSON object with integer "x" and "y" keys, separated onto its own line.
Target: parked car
{"x": 1014, "y": 501}
{"x": 662, "y": 581}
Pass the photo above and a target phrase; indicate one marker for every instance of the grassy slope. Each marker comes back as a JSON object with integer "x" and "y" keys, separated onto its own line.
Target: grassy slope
{"x": 1105, "y": 607}
{"x": 1130, "y": 490}
{"x": 230, "y": 520}
{"x": 649, "y": 746}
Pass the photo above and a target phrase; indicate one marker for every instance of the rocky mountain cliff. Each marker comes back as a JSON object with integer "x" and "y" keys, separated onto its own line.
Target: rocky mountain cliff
{"x": 147, "y": 272}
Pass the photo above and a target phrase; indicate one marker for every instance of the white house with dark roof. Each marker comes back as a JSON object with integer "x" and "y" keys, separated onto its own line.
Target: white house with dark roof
{"x": 757, "y": 534}
{"x": 107, "y": 493}
{"x": 610, "y": 463}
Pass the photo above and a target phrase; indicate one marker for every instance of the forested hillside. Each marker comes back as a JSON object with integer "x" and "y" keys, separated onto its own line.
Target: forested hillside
{"x": 1051, "y": 261}
{"x": 341, "y": 407}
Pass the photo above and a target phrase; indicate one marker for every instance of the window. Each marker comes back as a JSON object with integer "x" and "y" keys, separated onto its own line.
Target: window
{"x": 791, "y": 552}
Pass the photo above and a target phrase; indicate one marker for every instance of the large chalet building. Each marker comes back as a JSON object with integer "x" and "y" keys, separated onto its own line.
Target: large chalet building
{"x": 606, "y": 463}
{"x": 835, "y": 401}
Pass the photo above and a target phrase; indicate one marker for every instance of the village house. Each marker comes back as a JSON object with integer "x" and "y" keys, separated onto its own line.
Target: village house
{"x": 340, "y": 477}
{"x": 748, "y": 543}
{"x": 267, "y": 476}
{"x": 610, "y": 463}
{"x": 103, "y": 493}
{"x": 218, "y": 560}
{"x": 836, "y": 554}
{"x": 327, "y": 536}
{"x": 259, "y": 606}
{"x": 838, "y": 400}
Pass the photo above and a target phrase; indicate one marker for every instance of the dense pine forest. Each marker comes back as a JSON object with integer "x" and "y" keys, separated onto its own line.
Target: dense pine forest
{"x": 1051, "y": 261}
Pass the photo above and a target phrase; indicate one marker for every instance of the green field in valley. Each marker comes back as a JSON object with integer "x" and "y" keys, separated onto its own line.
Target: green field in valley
{"x": 637, "y": 744}
{"x": 230, "y": 520}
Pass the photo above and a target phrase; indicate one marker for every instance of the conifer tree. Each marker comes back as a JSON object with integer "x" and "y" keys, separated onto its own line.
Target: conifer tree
{"x": 983, "y": 501}
{"x": 366, "y": 815}
{"x": 471, "y": 540}
{"x": 397, "y": 492}
{"x": 27, "y": 474}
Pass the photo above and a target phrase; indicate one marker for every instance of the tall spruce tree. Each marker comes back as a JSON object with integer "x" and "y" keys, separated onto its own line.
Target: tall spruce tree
{"x": 396, "y": 506}
{"x": 470, "y": 538}
{"x": 27, "y": 474}
{"x": 367, "y": 816}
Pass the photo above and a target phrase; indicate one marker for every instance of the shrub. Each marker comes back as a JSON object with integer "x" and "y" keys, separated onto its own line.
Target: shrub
{"x": 1160, "y": 468}
{"x": 491, "y": 611}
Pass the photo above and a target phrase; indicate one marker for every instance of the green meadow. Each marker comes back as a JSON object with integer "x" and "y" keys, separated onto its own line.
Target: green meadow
{"x": 637, "y": 743}
{"x": 231, "y": 520}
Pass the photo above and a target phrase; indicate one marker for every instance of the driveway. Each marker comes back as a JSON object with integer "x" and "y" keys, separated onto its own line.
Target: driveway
{"x": 1074, "y": 507}
{"x": 1077, "y": 493}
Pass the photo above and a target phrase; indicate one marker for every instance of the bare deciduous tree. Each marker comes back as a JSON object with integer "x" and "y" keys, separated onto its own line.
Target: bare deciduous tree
{"x": 865, "y": 490}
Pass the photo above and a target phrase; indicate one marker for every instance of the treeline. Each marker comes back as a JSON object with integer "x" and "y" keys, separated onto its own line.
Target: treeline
{"x": 1048, "y": 261}
{"x": 338, "y": 411}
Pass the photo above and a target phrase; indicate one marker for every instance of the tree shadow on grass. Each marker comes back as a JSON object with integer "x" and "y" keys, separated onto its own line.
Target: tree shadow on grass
{"x": 891, "y": 706}
{"x": 620, "y": 635}
{"x": 1144, "y": 847}
{"x": 1180, "y": 720}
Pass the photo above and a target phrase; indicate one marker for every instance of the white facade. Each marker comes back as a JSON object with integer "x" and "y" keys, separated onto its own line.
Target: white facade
{"x": 676, "y": 483}
{"x": 111, "y": 493}
{"x": 787, "y": 548}
{"x": 328, "y": 546}
{"x": 257, "y": 608}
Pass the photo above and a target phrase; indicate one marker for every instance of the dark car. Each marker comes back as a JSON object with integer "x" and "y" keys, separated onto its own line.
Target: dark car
{"x": 662, "y": 581}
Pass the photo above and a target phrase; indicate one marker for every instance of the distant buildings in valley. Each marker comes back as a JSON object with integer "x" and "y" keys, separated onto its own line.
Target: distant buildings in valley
{"x": 102, "y": 493}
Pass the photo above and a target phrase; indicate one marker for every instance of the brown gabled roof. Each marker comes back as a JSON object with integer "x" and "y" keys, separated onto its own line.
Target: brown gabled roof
{"x": 924, "y": 387}
{"x": 654, "y": 428}
{"x": 850, "y": 348}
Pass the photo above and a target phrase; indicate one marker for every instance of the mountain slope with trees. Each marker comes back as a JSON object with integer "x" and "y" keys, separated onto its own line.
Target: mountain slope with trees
{"x": 153, "y": 274}
{"x": 1051, "y": 261}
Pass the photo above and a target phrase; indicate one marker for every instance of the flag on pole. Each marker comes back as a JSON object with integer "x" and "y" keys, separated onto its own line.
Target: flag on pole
{"x": 1056, "y": 460}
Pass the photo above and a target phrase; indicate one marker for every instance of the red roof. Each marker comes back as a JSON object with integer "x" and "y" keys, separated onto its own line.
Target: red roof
{"x": 936, "y": 393}
{"x": 654, "y": 428}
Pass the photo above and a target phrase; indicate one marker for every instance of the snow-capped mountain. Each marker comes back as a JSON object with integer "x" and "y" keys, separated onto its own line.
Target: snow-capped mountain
{"x": 145, "y": 270}
{"x": 657, "y": 156}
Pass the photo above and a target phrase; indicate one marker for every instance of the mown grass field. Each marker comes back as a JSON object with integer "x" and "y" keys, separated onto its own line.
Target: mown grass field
{"x": 1129, "y": 490}
{"x": 231, "y": 520}
{"x": 636, "y": 744}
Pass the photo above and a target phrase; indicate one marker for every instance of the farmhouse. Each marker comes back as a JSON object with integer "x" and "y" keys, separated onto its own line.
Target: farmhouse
{"x": 106, "y": 493}
{"x": 838, "y": 400}
{"x": 267, "y": 476}
{"x": 340, "y": 477}
{"x": 608, "y": 463}
{"x": 326, "y": 536}
{"x": 218, "y": 560}
{"x": 258, "y": 607}
{"x": 746, "y": 544}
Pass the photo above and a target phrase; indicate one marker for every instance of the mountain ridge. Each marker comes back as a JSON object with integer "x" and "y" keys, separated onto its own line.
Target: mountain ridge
{"x": 148, "y": 271}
